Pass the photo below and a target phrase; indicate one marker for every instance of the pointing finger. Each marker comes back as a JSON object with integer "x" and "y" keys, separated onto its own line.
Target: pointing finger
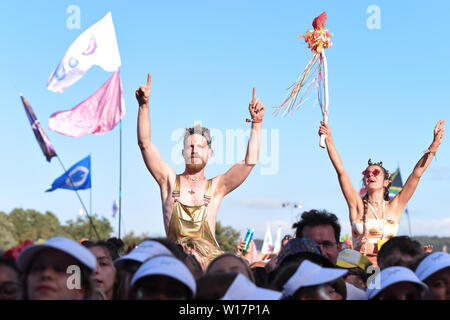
{"x": 254, "y": 94}
{"x": 149, "y": 80}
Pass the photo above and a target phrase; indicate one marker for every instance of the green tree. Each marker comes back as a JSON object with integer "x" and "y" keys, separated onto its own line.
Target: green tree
{"x": 81, "y": 228}
{"x": 33, "y": 225}
{"x": 227, "y": 237}
{"x": 7, "y": 233}
{"x": 130, "y": 239}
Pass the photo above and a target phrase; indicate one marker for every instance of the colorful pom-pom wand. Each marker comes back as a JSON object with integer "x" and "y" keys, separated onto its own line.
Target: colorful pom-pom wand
{"x": 316, "y": 72}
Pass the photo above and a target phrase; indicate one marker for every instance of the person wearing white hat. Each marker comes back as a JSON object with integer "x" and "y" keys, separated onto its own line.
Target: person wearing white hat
{"x": 396, "y": 283}
{"x": 57, "y": 269}
{"x": 313, "y": 282}
{"x": 142, "y": 252}
{"x": 244, "y": 289}
{"x": 356, "y": 264}
{"x": 434, "y": 270}
{"x": 163, "y": 278}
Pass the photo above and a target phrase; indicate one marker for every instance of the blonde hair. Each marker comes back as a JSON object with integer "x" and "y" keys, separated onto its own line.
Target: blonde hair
{"x": 202, "y": 246}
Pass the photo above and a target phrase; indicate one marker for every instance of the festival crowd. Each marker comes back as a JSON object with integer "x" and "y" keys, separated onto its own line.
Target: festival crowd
{"x": 311, "y": 265}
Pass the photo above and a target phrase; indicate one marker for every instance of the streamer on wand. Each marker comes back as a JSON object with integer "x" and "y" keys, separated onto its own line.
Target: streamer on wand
{"x": 315, "y": 73}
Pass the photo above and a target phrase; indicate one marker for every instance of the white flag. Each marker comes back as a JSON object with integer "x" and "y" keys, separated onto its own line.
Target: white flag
{"x": 95, "y": 46}
{"x": 267, "y": 246}
{"x": 278, "y": 241}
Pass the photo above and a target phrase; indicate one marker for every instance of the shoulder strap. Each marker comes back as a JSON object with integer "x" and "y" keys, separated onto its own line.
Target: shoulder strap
{"x": 176, "y": 191}
{"x": 371, "y": 208}
{"x": 208, "y": 190}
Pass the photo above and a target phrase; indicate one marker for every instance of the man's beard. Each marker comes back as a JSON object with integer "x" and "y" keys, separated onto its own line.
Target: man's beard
{"x": 195, "y": 167}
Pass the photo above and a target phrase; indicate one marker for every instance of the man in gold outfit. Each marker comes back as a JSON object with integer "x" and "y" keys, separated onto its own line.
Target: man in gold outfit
{"x": 190, "y": 201}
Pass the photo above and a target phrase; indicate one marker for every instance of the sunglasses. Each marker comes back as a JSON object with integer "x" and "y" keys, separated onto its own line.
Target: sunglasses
{"x": 366, "y": 173}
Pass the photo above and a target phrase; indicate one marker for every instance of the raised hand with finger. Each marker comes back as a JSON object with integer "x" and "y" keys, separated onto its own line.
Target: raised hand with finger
{"x": 256, "y": 109}
{"x": 143, "y": 93}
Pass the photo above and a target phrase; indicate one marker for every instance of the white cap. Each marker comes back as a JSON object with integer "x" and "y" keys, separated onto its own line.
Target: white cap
{"x": 69, "y": 246}
{"x": 390, "y": 276}
{"x": 311, "y": 274}
{"x": 432, "y": 263}
{"x": 243, "y": 289}
{"x": 166, "y": 266}
{"x": 144, "y": 251}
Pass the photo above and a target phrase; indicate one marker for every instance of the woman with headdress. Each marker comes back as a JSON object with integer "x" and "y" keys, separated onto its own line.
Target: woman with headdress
{"x": 374, "y": 218}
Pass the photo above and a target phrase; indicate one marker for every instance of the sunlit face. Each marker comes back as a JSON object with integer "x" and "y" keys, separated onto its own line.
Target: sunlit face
{"x": 105, "y": 274}
{"x": 196, "y": 152}
{"x": 324, "y": 236}
{"x": 401, "y": 291}
{"x": 374, "y": 178}
{"x": 47, "y": 278}
{"x": 439, "y": 284}
{"x": 227, "y": 264}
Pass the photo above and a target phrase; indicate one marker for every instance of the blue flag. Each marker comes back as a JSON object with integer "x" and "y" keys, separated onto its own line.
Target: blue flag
{"x": 80, "y": 177}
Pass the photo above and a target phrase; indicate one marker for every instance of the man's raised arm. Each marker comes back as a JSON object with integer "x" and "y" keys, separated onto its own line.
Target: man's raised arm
{"x": 234, "y": 177}
{"x": 159, "y": 169}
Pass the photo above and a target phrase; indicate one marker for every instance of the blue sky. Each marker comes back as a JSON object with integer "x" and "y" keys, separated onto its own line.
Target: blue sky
{"x": 388, "y": 89}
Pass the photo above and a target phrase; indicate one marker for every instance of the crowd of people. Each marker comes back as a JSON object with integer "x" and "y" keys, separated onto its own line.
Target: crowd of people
{"x": 311, "y": 265}
{"x": 188, "y": 264}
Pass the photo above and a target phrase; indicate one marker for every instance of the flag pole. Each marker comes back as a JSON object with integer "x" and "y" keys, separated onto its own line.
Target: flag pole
{"x": 120, "y": 176}
{"x": 409, "y": 222}
{"x": 79, "y": 198}
{"x": 90, "y": 205}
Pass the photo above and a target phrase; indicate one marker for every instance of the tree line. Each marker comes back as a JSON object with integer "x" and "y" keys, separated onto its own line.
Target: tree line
{"x": 28, "y": 224}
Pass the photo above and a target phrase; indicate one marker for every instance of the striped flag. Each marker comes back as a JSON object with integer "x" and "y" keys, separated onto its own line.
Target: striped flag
{"x": 396, "y": 184}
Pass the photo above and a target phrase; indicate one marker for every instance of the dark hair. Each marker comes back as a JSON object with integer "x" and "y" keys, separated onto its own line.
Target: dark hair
{"x": 151, "y": 279}
{"x": 283, "y": 276}
{"x": 213, "y": 286}
{"x": 358, "y": 272}
{"x": 261, "y": 277}
{"x": 198, "y": 130}
{"x": 176, "y": 249}
{"x": 194, "y": 266}
{"x": 405, "y": 245}
{"x": 113, "y": 245}
{"x": 315, "y": 218}
{"x": 229, "y": 254}
{"x": 386, "y": 175}
{"x": 17, "y": 292}
{"x": 10, "y": 262}
{"x": 287, "y": 271}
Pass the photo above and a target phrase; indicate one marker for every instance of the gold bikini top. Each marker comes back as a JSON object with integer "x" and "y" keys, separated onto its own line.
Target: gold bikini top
{"x": 190, "y": 221}
{"x": 375, "y": 231}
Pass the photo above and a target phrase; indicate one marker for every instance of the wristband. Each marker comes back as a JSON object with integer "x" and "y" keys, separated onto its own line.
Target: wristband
{"x": 254, "y": 120}
{"x": 432, "y": 154}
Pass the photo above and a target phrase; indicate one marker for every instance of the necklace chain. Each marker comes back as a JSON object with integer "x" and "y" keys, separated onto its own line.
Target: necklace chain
{"x": 196, "y": 179}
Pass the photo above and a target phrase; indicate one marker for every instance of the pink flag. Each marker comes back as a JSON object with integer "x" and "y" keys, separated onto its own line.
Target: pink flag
{"x": 98, "y": 114}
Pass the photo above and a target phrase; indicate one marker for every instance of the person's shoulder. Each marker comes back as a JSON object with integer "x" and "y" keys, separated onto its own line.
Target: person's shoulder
{"x": 354, "y": 293}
